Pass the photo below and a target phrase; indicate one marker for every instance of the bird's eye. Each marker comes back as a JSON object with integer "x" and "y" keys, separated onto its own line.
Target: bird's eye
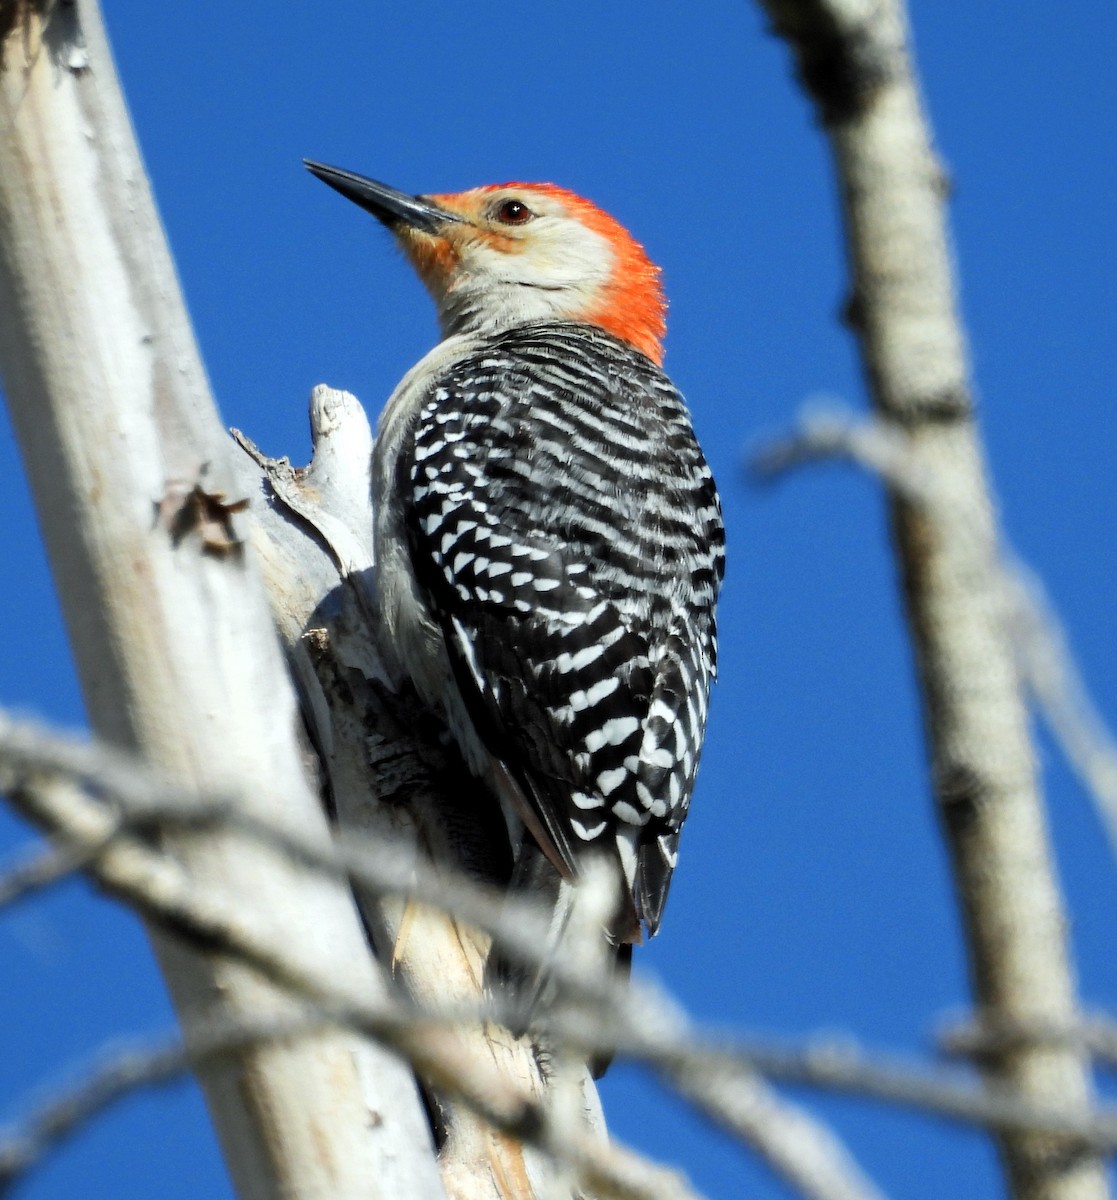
{"x": 513, "y": 212}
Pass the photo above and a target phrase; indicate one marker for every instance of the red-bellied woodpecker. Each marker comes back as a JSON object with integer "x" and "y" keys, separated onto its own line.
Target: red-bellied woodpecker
{"x": 549, "y": 544}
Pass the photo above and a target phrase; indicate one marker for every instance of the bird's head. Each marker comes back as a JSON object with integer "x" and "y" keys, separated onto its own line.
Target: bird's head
{"x": 499, "y": 255}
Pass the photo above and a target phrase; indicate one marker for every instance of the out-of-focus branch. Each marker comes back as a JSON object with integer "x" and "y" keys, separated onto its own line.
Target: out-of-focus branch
{"x": 131, "y": 869}
{"x": 1096, "y": 1034}
{"x": 37, "y": 869}
{"x": 721, "y": 1075}
{"x": 1039, "y": 640}
{"x": 793, "y": 1144}
{"x": 855, "y": 64}
{"x": 1060, "y": 693}
{"x": 124, "y": 1070}
{"x": 825, "y": 433}
{"x": 623, "y": 1175}
{"x": 802, "y": 1151}
{"x": 843, "y": 1067}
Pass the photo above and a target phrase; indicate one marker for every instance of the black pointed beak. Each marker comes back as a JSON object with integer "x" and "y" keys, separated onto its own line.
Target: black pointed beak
{"x": 385, "y": 203}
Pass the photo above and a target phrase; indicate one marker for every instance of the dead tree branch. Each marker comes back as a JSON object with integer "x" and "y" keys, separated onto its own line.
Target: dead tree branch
{"x": 1039, "y": 641}
{"x": 854, "y": 62}
{"x": 1096, "y": 1034}
{"x": 130, "y": 470}
{"x": 721, "y": 1075}
{"x": 122, "y": 1071}
{"x": 1059, "y": 691}
{"x": 637, "y": 1022}
{"x": 129, "y": 868}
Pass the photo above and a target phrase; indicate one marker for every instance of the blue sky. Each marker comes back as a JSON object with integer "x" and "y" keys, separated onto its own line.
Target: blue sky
{"x": 812, "y": 891}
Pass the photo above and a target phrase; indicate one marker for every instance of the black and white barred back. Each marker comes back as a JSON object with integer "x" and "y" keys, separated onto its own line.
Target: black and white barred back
{"x": 567, "y": 533}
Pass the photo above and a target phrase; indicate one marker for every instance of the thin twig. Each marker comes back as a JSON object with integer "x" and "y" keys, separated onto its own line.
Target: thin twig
{"x": 824, "y": 432}
{"x": 1039, "y": 639}
{"x": 842, "y": 1067}
{"x": 123, "y": 1070}
{"x": 158, "y": 888}
{"x": 1059, "y": 690}
{"x": 642, "y": 1024}
{"x": 143, "y": 1065}
{"x": 1095, "y": 1033}
{"x": 40, "y": 868}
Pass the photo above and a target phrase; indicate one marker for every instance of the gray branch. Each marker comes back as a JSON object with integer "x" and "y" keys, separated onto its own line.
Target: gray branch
{"x": 1095, "y": 1033}
{"x": 131, "y": 869}
{"x": 1039, "y": 640}
{"x": 122, "y": 1071}
{"x": 854, "y": 62}
{"x": 639, "y": 1024}
{"x": 721, "y": 1075}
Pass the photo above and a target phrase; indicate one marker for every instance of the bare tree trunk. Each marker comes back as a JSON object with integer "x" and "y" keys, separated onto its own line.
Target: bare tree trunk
{"x": 128, "y": 462}
{"x": 854, "y": 62}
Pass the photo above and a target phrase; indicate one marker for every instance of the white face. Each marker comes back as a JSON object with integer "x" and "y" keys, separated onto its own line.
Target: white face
{"x": 517, "y": 255}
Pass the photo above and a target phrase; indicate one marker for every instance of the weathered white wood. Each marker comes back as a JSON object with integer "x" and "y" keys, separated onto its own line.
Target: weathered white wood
{"x": 854, "y": 60}
{"x": 314, "y": 537}
{"x": 172, "y": 634}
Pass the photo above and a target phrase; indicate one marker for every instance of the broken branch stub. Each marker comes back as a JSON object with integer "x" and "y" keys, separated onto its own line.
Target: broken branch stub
{"x": 387, "y": 768}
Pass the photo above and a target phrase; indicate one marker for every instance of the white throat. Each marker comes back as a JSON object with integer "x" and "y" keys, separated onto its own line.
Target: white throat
{"x": 559, "y": 274}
